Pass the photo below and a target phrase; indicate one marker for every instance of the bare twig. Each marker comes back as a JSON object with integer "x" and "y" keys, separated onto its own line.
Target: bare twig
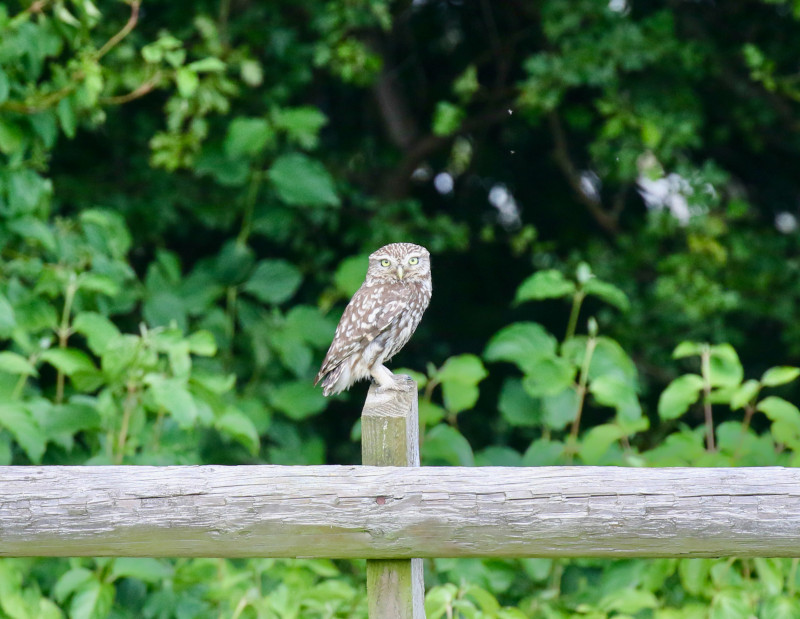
{"x": 124, "y": 31}
{"x": 140, "y": 91}
{"x": 605, "y": 219}
{"x": 396, "y": 185}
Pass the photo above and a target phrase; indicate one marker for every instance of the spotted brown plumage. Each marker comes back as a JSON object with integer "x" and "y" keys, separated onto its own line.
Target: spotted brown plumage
{"x": 380, "y": 318}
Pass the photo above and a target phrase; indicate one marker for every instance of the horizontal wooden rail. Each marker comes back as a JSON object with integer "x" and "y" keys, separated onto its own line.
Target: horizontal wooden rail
{"x": 396, "y": 512}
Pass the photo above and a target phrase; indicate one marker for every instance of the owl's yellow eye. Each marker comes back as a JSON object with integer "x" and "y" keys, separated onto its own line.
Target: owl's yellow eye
{"x": 413, "y": 260}
{"x": 385, "y": 262}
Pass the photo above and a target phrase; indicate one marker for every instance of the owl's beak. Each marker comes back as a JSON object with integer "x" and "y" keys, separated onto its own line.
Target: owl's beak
{"x": 400, "y": 272}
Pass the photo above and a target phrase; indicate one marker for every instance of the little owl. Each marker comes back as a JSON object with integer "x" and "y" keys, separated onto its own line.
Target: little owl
{"x": 380, "y": 318}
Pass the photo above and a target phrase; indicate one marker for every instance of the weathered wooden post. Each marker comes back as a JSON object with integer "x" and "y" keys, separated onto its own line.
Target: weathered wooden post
{"x": 390, "y": 437}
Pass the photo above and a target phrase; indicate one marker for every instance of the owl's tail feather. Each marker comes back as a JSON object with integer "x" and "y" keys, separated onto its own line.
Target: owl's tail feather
{"x": 334, "y": 381}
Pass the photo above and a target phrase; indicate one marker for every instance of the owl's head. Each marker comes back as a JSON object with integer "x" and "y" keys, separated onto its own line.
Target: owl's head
{"x": 399, "y": 262}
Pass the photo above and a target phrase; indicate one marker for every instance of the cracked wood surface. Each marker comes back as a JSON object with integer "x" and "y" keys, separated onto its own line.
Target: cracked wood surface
{"x": 398, "y": 512}
{"x": 390, "y": 437}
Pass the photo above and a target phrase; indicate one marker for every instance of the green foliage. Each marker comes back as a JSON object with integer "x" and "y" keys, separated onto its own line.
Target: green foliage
{"x": 188, "y": 196}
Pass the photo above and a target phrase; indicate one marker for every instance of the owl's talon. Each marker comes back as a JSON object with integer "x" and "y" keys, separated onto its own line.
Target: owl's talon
{"x": 400, "y": 382}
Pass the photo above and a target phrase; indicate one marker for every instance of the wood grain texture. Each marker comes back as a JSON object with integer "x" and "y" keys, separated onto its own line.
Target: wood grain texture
{"x": 398, "y": 512}
{"x": 390, "y": 437}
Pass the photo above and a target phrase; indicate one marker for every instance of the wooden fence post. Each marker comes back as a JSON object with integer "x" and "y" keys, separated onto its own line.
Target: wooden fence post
{"x": 390, "y": 437}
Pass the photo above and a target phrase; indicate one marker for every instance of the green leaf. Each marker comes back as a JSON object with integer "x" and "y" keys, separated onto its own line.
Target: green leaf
{"x": 71, "y": 418}
{"x": 302, "y": 124}
{"x": 11, "y": 136}
{"x": 439, "y": 601}
{"x": 4, "y": 86}
{"x": 679, "y": 395}
{"x": 608, "y": 293}
{"x": 779, "y": 376}
{"x": 92, "y": 601}
{"x": 543, "y": 452}
{"x": 202, "y": 343}
{"x": 98, "y": 283}
{"x": 485, "y": 600}
{"x": 687, "y": 349}
{"x": 350, "y": 274}
{"x": 69, "y": 360}
{"x": 550, "y": 284}
{"x": 595, "y": 443}
{"x": 497, "y": 455}
{"x": 447, "y": 118}
{"x": 467, "y": 369}
{"x": 99, "y": 331}
{"x": 13, "y": 363}
{"x": 65, "y": 110}
{"x": 725, "y": 367}
{"x": 459, "y": 376}
{"x": 779, "y": 410}
{"x": 731, "y": 604}
{"x": 7, "y": 318}
{"x": 445, "y": 444}
{"x": 628, "y": 601}
{"x": 207, "y": 65}
{"x": 274, "y": 281}
{"x": 608, "y": 359}
{"x": 770, "y": 575}
{"x": 297, "y": 400}
{"x": 694, "y": 575}
{"x": 187, "y": 81}
{"x": 248, "y": 137}
{"x": 240, "y": 428}
{"x": 172, "y": 395}
{"x": 144, "y": 569}
{"x": 548, "y": 376}
{"x": 611, "y": 390}
{"x": 521, "y": 343}
{"x": 466, "y": 84}
{"x": 745, "y": 393}
{"x": 459, "y": 396}
{"x": 430, "y": 414}
{"x": 70, "y": 581}
{"x": 560, "y": 409}
{"x": 782, "y": 607}
{"x": 517, "y": 407}
{"x": 234, "y": 263}
{"x": 302, "y": 181}
{"x": 26, "y": 432}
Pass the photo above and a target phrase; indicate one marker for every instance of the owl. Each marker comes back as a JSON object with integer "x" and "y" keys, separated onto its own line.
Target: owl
{"x": 380, "y": 318}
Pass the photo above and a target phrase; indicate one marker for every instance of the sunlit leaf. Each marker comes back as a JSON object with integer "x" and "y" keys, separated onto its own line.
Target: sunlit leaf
{"x": 521, "y": 343}
{"x": 687, "y": 349}
{"x": 779, "y": 376}
{"x": 18, "y": 420}
{"x": 13, "y": 363}
{"x": 744, "y": 393}
{"x": 725, "y": 367}
{"x": 779, "y": 410}
{"x": 141, "y": 568}
{"x": 444, "y": 444}
{"x": 679, "y": 395}
{"x": 549, "y": 284}
{"x": 298, "y": 400}
{"x": 239, "y": 427}
{"x": 516, "y": 406}
{"x": 608, "y": 293}
{"x": 69, "y": 360}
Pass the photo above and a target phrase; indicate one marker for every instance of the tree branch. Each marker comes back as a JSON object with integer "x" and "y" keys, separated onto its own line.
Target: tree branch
{"x": 607, "y": 220}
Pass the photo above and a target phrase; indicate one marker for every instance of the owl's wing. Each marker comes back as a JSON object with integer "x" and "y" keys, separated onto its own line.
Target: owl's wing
{"x": 370, "y": 312}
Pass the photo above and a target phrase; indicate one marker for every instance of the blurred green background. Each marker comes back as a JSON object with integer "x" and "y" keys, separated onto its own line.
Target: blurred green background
{"x": 609, "y": 191}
